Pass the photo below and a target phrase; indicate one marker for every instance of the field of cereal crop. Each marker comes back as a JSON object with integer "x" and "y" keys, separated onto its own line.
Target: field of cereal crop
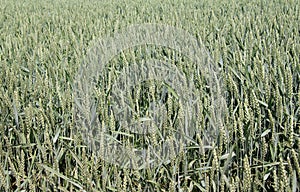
{"x": 51, "y": 97}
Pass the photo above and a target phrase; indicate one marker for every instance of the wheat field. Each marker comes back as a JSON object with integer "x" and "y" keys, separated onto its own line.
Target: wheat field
{"x": 256, "y": 44}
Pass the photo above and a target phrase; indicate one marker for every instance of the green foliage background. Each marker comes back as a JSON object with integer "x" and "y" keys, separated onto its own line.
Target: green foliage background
{"x": 43, "y": 43}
